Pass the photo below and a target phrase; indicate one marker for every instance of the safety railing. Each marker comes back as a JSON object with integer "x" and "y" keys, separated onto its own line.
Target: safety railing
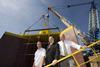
{"x": 71, "y": 55}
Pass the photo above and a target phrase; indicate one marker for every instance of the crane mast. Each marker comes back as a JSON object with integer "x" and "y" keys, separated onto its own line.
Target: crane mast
{"x": 93, "y": 22}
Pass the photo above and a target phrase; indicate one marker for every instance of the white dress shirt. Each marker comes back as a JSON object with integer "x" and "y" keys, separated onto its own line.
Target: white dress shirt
{"x": 39, "y": 54}
{"x": 68, "y": 45}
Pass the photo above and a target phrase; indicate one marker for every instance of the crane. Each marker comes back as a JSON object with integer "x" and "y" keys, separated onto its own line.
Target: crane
{"x": 75, "y": 5}
{"x": 94, "y": 23}
{"x": 63, "y": 19}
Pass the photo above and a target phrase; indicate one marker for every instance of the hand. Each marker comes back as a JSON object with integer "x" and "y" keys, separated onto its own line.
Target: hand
{"x": 83, "y": 47}
{"x": 54, "y": 62}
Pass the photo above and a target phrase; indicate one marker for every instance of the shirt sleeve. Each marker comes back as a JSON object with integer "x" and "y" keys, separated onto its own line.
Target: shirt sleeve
{"x": 75, "y": 45}
{"x": 44, "y": 53}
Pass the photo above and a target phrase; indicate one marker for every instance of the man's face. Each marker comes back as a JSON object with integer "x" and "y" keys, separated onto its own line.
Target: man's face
{"x": 39, "y": 45}
{"x": 51, "y": 39}
{"x": 62, "y": 37}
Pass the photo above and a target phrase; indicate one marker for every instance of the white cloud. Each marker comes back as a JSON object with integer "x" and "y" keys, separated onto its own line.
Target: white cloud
{"x": 17, "y": 15}
{"x": 9, "y": 4}
{"x": 45, "y": 2}
{"x": 12, "y": 5}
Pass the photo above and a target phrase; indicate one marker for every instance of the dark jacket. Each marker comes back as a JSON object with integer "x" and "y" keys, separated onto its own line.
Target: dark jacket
{"x": 52, "y": 53}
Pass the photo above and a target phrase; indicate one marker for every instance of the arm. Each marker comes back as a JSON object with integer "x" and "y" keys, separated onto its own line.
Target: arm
{"x": 43, "y": 58}
{"x": 75, "y": 45}
{"x": 42, "y": 61}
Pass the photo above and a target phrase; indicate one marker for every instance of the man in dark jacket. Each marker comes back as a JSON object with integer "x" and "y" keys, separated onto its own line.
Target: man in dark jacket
{"x": 52, "y": 53}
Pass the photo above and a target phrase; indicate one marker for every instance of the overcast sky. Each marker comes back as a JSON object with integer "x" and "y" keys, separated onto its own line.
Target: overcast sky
{"x": 18, "y": 15}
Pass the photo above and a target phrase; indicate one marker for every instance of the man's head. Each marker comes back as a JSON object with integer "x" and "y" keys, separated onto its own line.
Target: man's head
{"x": 62, "y": 37}
{"x": 51, "y": 39}
{"x": 39, "y": 44}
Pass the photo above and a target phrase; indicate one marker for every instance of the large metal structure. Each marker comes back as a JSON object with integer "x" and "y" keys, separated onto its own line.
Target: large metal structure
{"x": 94, "y": 23}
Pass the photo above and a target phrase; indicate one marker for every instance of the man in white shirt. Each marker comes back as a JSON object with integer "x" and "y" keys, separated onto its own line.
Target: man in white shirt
{"x": 39, "y": 55}
{"x": 65, "y": 49}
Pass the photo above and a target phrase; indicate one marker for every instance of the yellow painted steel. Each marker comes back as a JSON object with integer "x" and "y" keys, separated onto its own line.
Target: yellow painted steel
{"x": 44, "y": 32}
{"x": 70, "y": 55}
{"x": 96, "y": 56}
{"x": 68, "y": 29}
{"x": 76, "y": 61}
{"x": 89, "y": 60}
{"x": 94, "y": 51}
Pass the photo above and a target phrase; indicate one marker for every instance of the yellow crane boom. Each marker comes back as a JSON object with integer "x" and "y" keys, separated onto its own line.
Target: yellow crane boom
{"x": 63, "y": 19}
